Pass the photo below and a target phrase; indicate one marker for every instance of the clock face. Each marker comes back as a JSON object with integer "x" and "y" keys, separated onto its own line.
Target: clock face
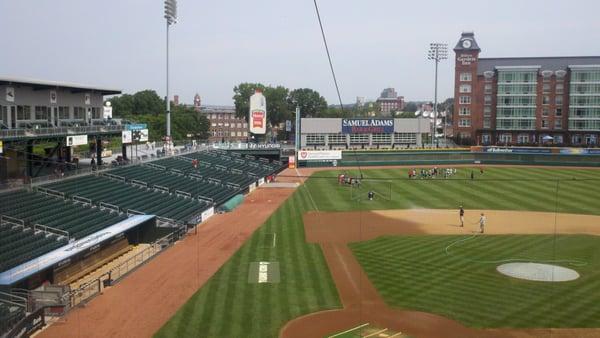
{"x": 466, "y": 43}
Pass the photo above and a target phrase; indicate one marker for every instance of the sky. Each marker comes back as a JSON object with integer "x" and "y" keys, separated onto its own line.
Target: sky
{"x": 217, "y": 44}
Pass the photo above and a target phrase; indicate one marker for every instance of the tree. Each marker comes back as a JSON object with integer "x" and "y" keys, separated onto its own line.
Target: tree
{"x": 311, "y": 103}
{"x": 411, "y": 107}
{"x": 122, "y": 105}
{"x": 241, "y": 98}
{"x": 277, "y": 105}
{"x": 147, "y": 102}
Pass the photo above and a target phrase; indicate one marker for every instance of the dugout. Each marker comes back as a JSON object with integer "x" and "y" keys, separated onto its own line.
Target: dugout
{"x": 80, "y": 257}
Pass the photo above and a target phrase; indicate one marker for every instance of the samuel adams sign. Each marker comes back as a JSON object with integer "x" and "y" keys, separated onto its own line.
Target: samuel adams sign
{"x": 367, "y": 126}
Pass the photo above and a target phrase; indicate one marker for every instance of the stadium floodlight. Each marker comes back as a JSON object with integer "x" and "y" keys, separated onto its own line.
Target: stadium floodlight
{"x": 437, "y": 52}
{"x": 171, "y": 16}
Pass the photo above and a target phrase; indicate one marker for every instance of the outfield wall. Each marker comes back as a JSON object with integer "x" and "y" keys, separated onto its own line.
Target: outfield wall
{"x": 376, "y": 158}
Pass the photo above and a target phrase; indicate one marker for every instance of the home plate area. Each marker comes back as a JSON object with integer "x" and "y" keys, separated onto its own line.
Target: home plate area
{"x": 370, "y": 331}
{"x": 263, "y": 272}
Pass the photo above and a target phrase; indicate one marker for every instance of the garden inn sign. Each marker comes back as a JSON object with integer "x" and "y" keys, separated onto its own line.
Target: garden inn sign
{"x": 367, "y": 126}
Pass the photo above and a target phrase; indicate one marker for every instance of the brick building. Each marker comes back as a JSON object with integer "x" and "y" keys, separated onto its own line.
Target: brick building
{"x": 525, "y": 100}
{"x": 224, "y": 125}
{"x": 389, "y": 101}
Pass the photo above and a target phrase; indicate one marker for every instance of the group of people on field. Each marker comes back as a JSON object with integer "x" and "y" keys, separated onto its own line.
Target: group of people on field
{"x": 431, "y": 173}
{"x": 347, "y": 179}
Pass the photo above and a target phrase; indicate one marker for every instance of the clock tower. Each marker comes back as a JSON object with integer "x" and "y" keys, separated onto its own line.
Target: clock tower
{"x": 466, "y": 117}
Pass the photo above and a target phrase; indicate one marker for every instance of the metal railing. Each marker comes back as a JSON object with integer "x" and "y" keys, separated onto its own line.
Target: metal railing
{"x": 15, "y": 133}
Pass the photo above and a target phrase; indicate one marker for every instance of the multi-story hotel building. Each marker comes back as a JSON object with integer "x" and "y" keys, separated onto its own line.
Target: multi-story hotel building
{"x": 525, "y": 100}
{"x": 224, "y": 125}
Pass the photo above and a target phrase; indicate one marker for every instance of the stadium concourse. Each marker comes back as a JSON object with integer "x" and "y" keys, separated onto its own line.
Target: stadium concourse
{"x": 55, "y": 236}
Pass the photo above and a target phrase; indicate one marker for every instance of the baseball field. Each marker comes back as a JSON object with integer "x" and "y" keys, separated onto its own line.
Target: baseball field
{"x": 333, "y": 259}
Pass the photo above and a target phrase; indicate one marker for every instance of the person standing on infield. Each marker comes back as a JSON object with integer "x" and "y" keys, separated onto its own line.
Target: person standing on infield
{"x": 461, "y": 212}
{"x": 482, "y": 220}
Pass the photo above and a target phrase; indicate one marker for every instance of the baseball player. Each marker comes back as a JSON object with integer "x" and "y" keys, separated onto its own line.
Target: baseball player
{"x": 461, "y": 212}
{"x": 482, "y": 221}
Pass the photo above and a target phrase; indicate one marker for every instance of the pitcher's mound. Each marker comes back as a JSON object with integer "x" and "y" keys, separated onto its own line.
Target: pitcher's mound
{"x": 538, "y": 272}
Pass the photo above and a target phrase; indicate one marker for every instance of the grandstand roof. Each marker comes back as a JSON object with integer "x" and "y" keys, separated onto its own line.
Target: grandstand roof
{"x": 45, "y": 84}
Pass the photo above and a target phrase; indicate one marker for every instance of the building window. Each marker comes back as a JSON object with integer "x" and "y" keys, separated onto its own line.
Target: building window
{"x": 546, "y": 88}
{"x": 545, "y": 111}
{"x": 239, "y": 133}
{"x": 544, "y": 124}
{"x": 466, "y": 76}
{"x": 226, "y": 124}
{"x": 337, "y": 138}
{"x": 359, "y": 138}
{"x": 233, "y": 134}
{"x": 464, "y": 100}
{"x": 464, "y": 111}
{"x": 558, "y": 124}
{"x": 487, "y": 111}
{"x": 487, "y": 99}
{"x": 63, "y": 113}
{"x": 558, "y": 100}
{"x": 405, "y": 138}
{"x": 96, "y": 113}
{"x": 245, "y": 125}
{"x": 464, "y": 88}
{"x": 239, "y": 125}
{"x": 23, "y": 113}
{"x": 558, "y": 112}
{"x": 487, "y": 123}
{"x": 41, "y": 112}
{"x": 464, "y": 123}
{"x": 380, "y": 138}
{"x": 78, "y": 113}
{"x": 522, "y": 138}
{"x": 213, "y": 124}
{"x": 560, "y": 88}
{"x": 546, "y": 99}
{"x": 245, "y": 133}
{"x": 487, "y": 88}
{"x": 485, "y": 138}
{"x": 506, "y": 138}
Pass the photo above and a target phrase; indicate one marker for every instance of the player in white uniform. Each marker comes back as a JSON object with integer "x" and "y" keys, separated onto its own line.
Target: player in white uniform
{"x": 482, "y": 221}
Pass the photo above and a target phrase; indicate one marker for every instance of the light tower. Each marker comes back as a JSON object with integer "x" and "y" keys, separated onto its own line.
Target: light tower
{"x": 171, "y": 16}
{"x": 437, "y": 51}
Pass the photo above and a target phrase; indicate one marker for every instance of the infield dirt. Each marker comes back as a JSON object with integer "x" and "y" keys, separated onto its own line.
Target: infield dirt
{"x": 361, "y": 302}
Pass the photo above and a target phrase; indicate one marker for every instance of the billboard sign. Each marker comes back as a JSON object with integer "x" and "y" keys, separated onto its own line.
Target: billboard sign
{"x": 307, "y": 155}
{"x": 126, "y": 136}
{"x": 137, "y": 126}
{"x": 292, "y": 162}
{"x": 144, "y": 135}
{"x": 367, "y": 126}
{"x": 288, "y": 125}
{"x": 1, "y": 145}
{"x": 77, "y": 140}
{"x": 258, "y": 113}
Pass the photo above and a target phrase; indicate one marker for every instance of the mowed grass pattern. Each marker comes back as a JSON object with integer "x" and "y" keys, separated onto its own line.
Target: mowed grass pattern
{"x": 228, "y": 306}
{"x": 414, "y": 272}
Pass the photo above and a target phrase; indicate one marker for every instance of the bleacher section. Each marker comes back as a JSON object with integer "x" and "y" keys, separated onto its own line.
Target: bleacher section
{"x": 131, "y": 198}
{"x": 176, "y": 190}
{"x": 19, "y": 242}
{"x": 176, "y": 182}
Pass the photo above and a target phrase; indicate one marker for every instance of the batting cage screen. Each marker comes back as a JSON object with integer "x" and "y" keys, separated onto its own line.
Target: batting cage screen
{"x": 381, "y": 190}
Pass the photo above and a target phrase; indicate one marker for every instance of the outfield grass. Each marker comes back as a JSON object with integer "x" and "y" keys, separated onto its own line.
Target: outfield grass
{"x": 228, "y": 306}
{"x": 414, "y": 272}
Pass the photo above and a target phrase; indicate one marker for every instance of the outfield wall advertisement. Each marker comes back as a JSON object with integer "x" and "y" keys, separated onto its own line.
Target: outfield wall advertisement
{"x": 307, "y": 155}
{"x": 536, "y": 150}
{"x": 367, "y": 126}
{"x": 258, "y": 113}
